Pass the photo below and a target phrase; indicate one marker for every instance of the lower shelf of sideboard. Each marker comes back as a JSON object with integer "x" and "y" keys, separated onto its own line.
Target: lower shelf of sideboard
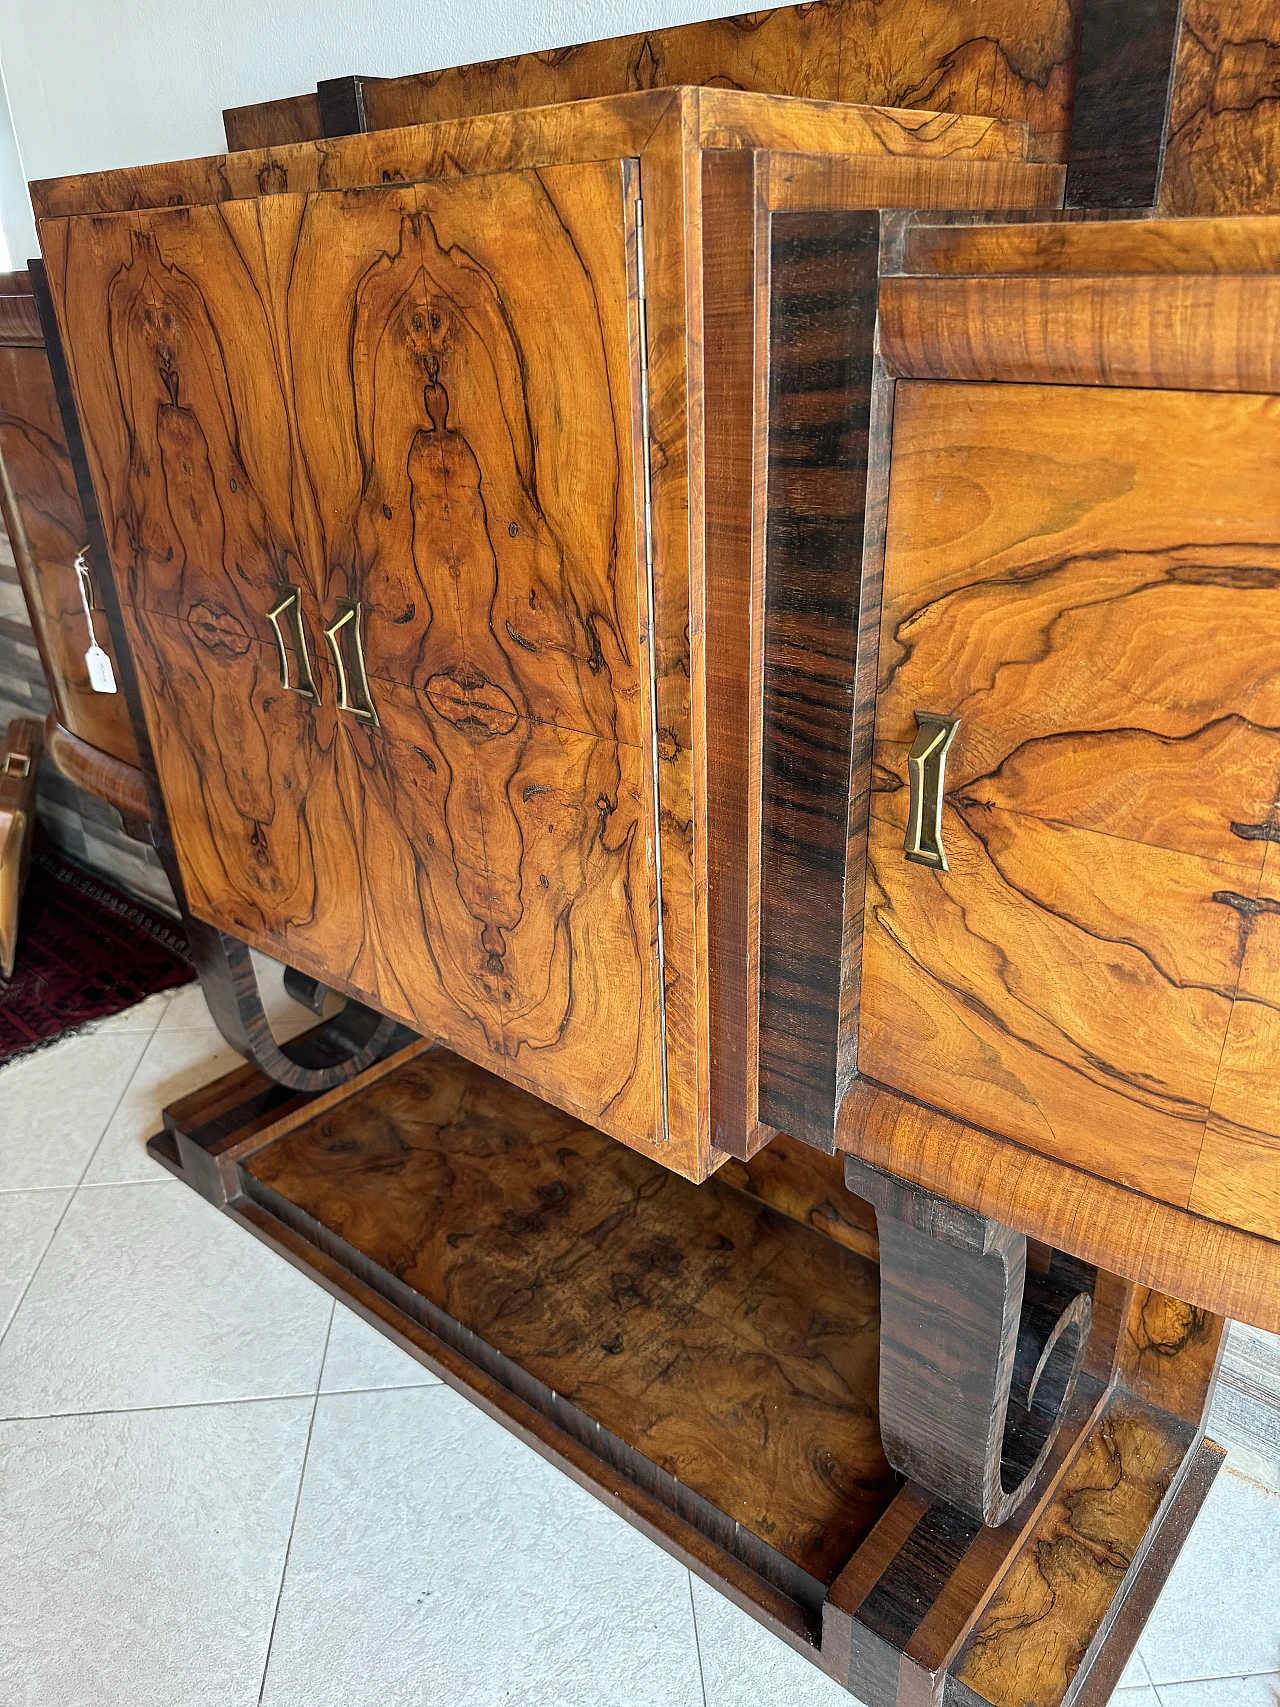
{"x": 705, "y": 1363}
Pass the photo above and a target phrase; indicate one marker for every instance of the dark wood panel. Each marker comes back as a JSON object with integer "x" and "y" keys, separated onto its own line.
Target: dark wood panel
{"x": 1121, "y": 99}
{"x": 730, "y": 1346}
{"x": 823, "y": 270}
{"x": 1223, "y": 151}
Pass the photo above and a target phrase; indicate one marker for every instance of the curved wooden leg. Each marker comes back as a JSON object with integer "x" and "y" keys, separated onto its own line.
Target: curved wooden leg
{"x": 978, "y": 1357}
{"x": 326, "y": 1057}
{"x": 306, "y": 991}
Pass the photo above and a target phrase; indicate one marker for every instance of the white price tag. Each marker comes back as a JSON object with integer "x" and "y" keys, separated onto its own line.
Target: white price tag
{"x": 102, "y": 678}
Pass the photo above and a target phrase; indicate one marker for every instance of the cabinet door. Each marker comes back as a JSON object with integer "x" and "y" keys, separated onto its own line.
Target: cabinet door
{"x": 415, "y": 407}
{"x": 1089, "y": 580}
{"x": 47, "y": 529}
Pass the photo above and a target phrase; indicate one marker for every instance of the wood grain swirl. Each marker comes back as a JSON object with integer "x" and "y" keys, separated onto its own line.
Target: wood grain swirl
{"x": 1056, "y": 560}
{"x": 1222, "y": 153}
{"x": 726, "y": 1344}
{"x": 419, "y": 400}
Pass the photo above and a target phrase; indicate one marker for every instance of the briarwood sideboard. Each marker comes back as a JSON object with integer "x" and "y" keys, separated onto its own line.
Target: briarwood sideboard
{"x": 763, "y": 705}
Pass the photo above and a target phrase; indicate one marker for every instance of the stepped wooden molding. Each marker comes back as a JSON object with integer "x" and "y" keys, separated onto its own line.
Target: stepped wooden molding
{"x": 994, "y": 58}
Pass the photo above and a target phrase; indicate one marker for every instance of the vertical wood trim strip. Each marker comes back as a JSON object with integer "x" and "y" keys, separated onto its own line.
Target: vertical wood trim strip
{"x": 1122, "y": 102}
{"x": 821, "y": 347}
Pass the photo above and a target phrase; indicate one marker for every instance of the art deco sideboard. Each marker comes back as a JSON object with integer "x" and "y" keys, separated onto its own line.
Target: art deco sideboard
{"x": 704, "y": 660}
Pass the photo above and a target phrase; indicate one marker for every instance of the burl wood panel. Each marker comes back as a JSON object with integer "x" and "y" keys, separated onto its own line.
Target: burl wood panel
{"x": 579, "y": 131}
{"x": 46, "y": 527}
{"x": 419, "y": 399}
{"x": 993, "y": 58}
{"x": 1223, "y": 149}
{"x": 1248, "y": 244}
{"x": 728, "y": 1345}
{"x": 1056, "y": 560}
{"x": 1037, "y": 1628}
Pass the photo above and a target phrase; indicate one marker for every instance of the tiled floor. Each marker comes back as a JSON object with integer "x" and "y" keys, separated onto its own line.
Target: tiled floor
{"x": 219, "y": 1489}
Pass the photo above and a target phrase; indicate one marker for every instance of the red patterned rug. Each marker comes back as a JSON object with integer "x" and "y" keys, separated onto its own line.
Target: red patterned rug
{"x": 84, "y": 951}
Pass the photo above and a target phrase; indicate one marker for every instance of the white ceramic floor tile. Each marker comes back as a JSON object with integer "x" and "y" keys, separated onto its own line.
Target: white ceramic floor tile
{"x": 436, "y": 1559}
{"x": 359, "y": 1357}
{"x": 189, "y": 1009}
{"x": 55, "y": 1105}
{"x": 1218, "y": 1613}
{"x": 148, "y": 1296}
{"x": 1142, "y": 1696}
{"x": 1255, "y": 1691}
{"x": 27, "y": 1221}
{"x": 174, "y": 1063}
{"x": 142, "y": 1016}
{"x": 140, "y": 1553}
{"x": 744, "y": 1665}
{"x": 1135, "y": 1674}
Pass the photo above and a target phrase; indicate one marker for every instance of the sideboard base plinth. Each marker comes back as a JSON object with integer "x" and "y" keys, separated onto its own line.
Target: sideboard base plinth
{"x": 708, "y": 1366}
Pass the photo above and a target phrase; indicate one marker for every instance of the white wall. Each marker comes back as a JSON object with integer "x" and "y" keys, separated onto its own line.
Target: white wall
{"x": 100, "y": 83}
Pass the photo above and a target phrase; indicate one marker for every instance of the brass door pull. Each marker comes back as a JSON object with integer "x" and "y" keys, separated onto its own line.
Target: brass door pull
{"x": 926, "y": 774}
{"x": 289, "y": 611}
{"x": 343, "y": 635}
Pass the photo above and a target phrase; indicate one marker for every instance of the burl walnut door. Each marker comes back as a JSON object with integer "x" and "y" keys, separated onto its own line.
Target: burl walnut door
{"x": 397, "y": 429}
{"x": 1088, "y": 579}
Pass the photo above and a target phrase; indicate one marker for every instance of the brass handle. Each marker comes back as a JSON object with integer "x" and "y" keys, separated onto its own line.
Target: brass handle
{"x": 927, "y": 776}
{"x": 353, "y": 684}
{"x": 289, "y": 610}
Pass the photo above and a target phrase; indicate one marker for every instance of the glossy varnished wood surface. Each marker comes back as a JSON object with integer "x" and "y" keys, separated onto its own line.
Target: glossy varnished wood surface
{"x": 437, "y": 1189}
{"x": 1197, "y": 246}
{"x": 729, "y": 1345}
{"x": 502, "y": 798}
{"x": 46, "y": 527}
{"x": 1031, "y": 1638}
{"x": 540, "y": 136}
{"x": 1196, "y": 332}
{"x": 1218, "y": 1266}
{"x": 993, "y": 59}
{"x": 1055, "y": 561}
{"x": 120, "y": 785}
{"x": 1223, "y": 149}
{"x": 1120, "y": 101}
{"x": 280, "y": 504}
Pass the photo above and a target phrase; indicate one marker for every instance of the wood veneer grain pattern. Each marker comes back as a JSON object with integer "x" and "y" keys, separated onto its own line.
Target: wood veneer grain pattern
{"x": 46, "y": 527}
{"x": 727, "y": 1344}
{"x": 1121, "y": 101}
{"x": 1037, "y": 1629}
{"x": 512, "y": 697}
{"x": 992, "y": 59}
{"x": 1194, "y": 333}
{"x": 1223, "y": 149}
{"x": 577, "y": 131}
{"x": 1247, "y": 244}
{"x": 823, "y": 272}
{"x": 1055, "y": 560}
